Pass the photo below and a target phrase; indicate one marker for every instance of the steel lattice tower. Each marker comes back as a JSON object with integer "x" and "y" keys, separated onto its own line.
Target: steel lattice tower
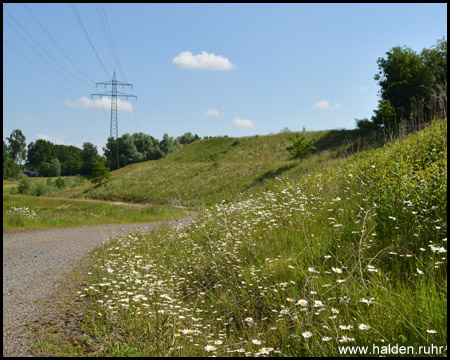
{"x": 114, "y": 129}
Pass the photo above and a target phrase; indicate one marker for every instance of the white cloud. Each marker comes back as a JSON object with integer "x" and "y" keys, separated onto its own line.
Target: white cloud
{"x": 54, "y": 140}
{"x": 243, "y": 123}
{"x": 99, "y": 103}
{"x": 213, "y": 112}
{"x": 203, "y": 61}
{"x": 363, "y": 88}
{"x": 325, "y": 104}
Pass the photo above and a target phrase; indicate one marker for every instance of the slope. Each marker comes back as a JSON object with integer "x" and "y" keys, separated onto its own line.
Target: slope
{"x": 211, "y": 170}
{"x": 349, "y": 255}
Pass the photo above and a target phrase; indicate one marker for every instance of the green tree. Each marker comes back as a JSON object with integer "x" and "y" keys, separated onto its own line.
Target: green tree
{"x": 128, "y": 153}
{"x": 413, "y": 86}
{"x": 435, "y": 68}
{"x": 44, "y": 168}
{"x": 148, "y": 146}
{"x": 187, "y": 138}
{"x": 40, "y": 155}
{"x": 300, "y": 147}
{"x": 89, "y": 156}
{"x": 168, "y": 144}
{"x": 110, "y": 152}
{"x": 10, "y": 168}
{"x": 100, "y": 172}
{"x": 17, "y": 147}
{"x": 384, "y": 115}
{"x": 401, "y": 78}
{"x": 124, "y": 145}
{"x": 71, "y": 159}
{"x": 55, "y": 168}
{"x": 365, "y": 125}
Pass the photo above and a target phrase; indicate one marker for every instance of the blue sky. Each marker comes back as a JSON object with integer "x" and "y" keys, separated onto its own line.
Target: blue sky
{"x": 211, "y": 69}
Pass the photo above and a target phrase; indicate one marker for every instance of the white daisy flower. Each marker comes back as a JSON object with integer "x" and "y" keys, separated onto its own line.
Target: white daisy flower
{"x": 345, "y": 327}
{"x": 210, "y": 348}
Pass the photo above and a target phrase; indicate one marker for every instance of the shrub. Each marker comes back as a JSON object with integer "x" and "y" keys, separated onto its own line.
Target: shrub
{"x": 300, "y": 147}
{"x": 24, "y": 185}
{"x": 99, "y": 172}
{"x": 60, "y": 182}
{"x": 39, "y": 188}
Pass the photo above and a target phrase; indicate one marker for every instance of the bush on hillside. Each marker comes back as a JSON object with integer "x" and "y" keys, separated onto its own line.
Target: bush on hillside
{"x": 99, "y": 173}
{"x": 60, "y": 182}
{"x": 300, "y": 148}
{"x": 24, "y": 185}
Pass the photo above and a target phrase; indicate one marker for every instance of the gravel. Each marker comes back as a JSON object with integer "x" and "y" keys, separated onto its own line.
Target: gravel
{"x": 33, "y": 263}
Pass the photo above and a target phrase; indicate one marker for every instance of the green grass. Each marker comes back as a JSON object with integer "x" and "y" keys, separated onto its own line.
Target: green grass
{"x": 33, "y": 212}
{"x": 350, "y": 253}
{"x": 211, "y": 170}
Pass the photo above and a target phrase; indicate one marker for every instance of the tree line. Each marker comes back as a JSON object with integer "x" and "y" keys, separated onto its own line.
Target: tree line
{"x": 413, "y": 88}
{"x": 49, "y": 159}
{"x": 142, "y": 147}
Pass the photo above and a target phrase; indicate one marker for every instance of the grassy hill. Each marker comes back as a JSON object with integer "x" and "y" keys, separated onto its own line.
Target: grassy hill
{"x": 211, "y": 170}
{"x": 353, "y": 254}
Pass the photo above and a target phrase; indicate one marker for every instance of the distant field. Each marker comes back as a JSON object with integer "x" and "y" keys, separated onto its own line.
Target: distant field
{"x": 33, "y": 212}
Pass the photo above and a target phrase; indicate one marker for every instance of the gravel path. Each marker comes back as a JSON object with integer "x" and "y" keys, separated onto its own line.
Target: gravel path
{"x": 35, "y": 260}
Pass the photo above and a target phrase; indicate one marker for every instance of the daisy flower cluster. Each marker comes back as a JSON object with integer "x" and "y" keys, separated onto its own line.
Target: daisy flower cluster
{"x": 209, "y": 283}
{"x": 291, "y": 271}
{"x": 24, "y": 211}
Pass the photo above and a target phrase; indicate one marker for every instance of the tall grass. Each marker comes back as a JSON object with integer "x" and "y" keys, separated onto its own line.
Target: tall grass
{"x": 354, "y": 255}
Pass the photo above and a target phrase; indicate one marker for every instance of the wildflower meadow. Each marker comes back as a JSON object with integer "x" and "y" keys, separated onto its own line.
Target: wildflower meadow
{"x": 353, "y": 254}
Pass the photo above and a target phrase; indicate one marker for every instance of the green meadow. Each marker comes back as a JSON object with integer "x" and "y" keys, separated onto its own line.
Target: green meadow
{"x": 38, "y": 212}
{"x": 346, "y": 247}
{"x": 206, "y": 172}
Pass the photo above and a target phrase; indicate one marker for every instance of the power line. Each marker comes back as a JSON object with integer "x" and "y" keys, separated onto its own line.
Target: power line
{"x": 38, "y": 68}
{"x": 23, "y": 38}
{"x": 74, "y": 9}
{"x": 114, "y": 131}
{"x": 37, "y": 44}
{"x": 56, "y": 44}
{"x": 99, "y": 118}
{"x": 114, "y": 46}
{"x": 106, "y": 29}
{"x": 43, "y": 72}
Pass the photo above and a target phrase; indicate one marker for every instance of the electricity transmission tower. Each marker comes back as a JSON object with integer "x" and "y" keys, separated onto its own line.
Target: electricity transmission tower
{"x": 114, "y": 130}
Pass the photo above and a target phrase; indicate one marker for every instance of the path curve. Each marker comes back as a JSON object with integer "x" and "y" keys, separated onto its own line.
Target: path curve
{"x": 35, "y": 260}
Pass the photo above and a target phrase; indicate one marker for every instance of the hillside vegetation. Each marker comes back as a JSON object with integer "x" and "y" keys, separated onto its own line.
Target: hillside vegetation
{"x": 211, "y": 170}
{"x": 353, "y": 254}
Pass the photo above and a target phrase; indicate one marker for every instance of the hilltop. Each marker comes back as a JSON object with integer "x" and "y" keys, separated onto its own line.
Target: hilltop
{"x": 211, "y": 170}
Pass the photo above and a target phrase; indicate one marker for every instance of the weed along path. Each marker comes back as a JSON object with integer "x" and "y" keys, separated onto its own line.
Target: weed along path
{"x": 33, "y": 263}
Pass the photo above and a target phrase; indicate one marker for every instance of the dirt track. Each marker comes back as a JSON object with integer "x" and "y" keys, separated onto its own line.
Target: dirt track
{"x": 34, "y": 261}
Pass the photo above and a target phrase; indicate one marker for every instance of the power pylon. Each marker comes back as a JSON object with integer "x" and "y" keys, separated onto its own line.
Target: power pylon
{"x": 114, "y": 130}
